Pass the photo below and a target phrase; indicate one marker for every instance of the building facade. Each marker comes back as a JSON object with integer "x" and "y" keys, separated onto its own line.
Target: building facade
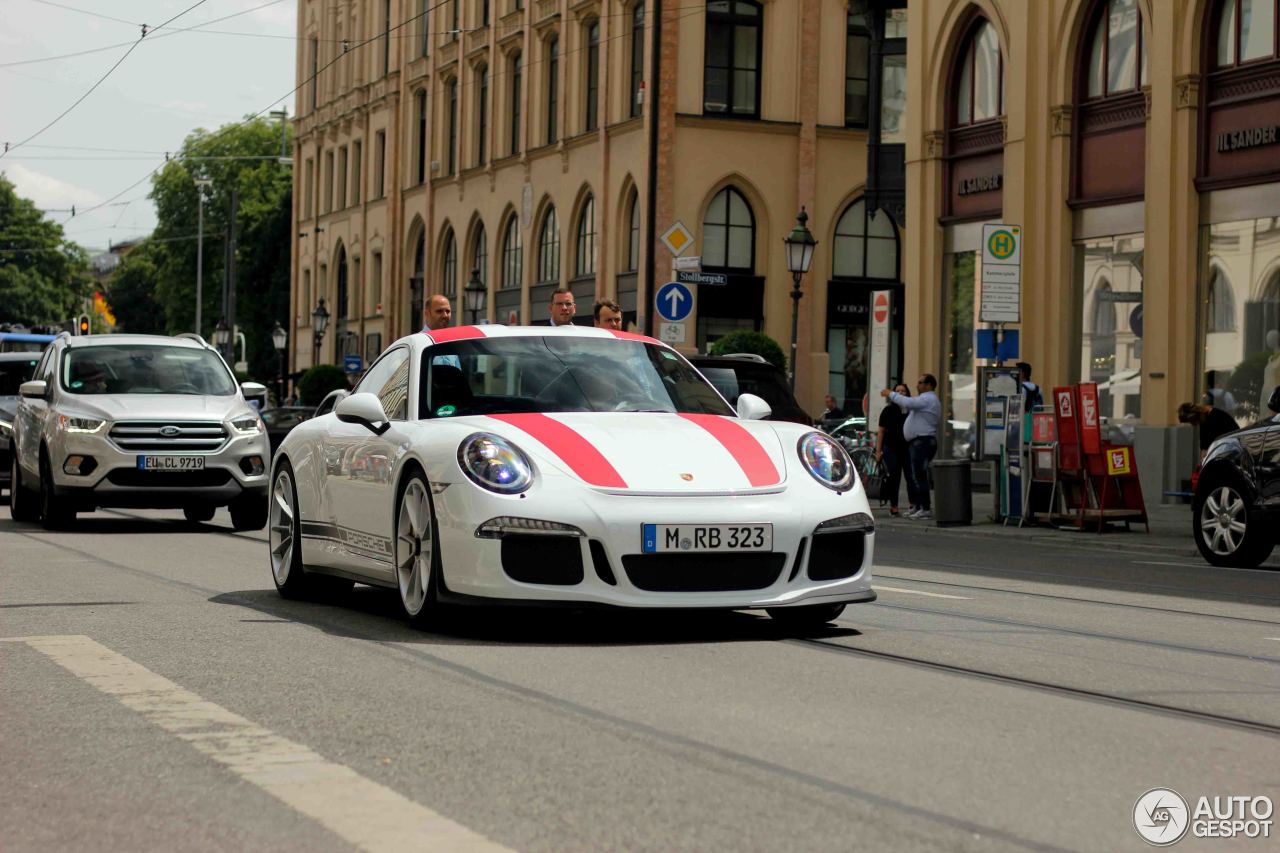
{"x": 1136, "y": 144}
{"x": 515, "y": 141}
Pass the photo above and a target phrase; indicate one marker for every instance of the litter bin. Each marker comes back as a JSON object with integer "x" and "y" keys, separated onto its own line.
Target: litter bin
{"x": 952, "y": 498}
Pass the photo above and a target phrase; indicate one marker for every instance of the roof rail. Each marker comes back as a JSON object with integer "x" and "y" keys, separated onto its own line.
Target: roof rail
{"x": 63, "y": 334}
{"x": 193, "y": 336}
{"x": 750, "y": 356}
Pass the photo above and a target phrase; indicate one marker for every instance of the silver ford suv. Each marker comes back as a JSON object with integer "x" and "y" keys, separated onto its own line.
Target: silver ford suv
{"x": 136, "y": 421}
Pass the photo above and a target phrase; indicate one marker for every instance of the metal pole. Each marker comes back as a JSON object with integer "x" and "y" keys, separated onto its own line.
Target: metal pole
{"x": 644, "y": 306}
{"x": 795, "y": 321}
{"x": 231, "y": 269}
{"x": 199, "y": 259}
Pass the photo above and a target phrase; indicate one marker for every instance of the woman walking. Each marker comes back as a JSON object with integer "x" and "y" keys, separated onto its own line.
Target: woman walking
{"x": 891, "y": 449}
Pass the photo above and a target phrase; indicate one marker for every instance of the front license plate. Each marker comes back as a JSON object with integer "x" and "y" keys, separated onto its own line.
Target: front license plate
{"x": 170, "y": 463}
{"x": 657, "y": 538}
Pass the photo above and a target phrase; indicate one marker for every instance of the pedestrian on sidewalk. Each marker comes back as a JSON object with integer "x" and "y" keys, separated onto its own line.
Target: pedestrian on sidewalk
{"x": 1212, "y": 422}
{"x": 1031, "y": 396}
{"x": 891, "y": 450}
{"x": 920, "y": 429}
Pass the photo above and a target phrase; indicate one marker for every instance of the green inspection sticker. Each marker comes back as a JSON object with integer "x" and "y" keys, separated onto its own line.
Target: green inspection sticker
{"x": 445, "y": 411}
{"x": 77, "y": 384}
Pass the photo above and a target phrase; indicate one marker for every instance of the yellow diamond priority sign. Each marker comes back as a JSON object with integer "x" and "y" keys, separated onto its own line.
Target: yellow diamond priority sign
{"x": 678, "y": 239}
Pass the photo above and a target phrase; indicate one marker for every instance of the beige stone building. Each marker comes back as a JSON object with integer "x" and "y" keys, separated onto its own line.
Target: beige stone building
{"x": 516, "y": 137}
{"x": 1135, "y": 142}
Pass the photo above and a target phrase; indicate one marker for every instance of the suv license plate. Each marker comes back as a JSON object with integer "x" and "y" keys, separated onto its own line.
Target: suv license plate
{"x": 170, "y": 463}
{"x": 657, "y": 538}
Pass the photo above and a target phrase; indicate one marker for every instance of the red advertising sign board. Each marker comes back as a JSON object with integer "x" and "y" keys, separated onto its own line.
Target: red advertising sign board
{"x": 1042, "y": 431}
{"x": 1064, "y": 412}
{"x": 1090, "y": 430}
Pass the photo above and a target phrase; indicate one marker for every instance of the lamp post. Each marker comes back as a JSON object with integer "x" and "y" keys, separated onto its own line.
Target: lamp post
{"x": 222, "y": 337}
{"x": 280, "y": 340}
{"x": 201, "y": 185}
{"x": 476, "y": 296}
{"x": 319, "y": 322}
{"x": 800, "y": 245}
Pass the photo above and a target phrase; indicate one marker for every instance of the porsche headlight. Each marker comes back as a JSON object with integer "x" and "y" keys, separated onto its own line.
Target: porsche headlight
{"x": 250, "y": 424}
{"x": 79, "y": 424}
{"x": 495, "y": 464}
{"x": 826, "y": 461}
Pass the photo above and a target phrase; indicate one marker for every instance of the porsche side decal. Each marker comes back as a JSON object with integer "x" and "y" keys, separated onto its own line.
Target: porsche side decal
{"x": 574, "y": 450}
{"x": 357, "y": 541}
{"x": 742, "y": 445}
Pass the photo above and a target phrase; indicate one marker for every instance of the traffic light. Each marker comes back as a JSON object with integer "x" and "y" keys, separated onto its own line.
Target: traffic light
{"x": 82, "y": 326}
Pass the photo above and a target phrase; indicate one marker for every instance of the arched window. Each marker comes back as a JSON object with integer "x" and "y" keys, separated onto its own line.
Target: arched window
{"x": 480, "y": 256}
{"x": 637, "y": 57}
{"x": 1117, "y": 50}
{"x": 549, "y": 249}
{"x": 864, "y": 246}
{"x": 1222, "y": 304}
{"x": 482, "y": 113}
{"x": 731, "y": 76}
{"x": 512, "y": 254}
{"x": 857, "y": 64}
{"x": 553, "y": 87}
{"x": 449, "y": 274}
{"x": 1245, "y": 31}
{"x": 586, "y": 246}
{"x": 729, "y": 233}
{"x": 591, "y": 114}
{"x": 1104, "y": 311}
{"x": 417, "y": 281}
{"x": 633, "y": 233}
{"x": 979, "y": 93}
{"x": 517, "y": 78}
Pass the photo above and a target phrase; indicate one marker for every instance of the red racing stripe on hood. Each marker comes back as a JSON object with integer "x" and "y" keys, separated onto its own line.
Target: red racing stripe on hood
{"x": 742, "y": 445}
{"x": 455, "y": 333}
{"x": 574, "y": 450}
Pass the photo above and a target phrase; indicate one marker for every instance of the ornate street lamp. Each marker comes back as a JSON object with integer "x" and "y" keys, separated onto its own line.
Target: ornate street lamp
{"x": 222, "y": 336}
{"x": 319, "y": 322}
{"x": 800, "y": 245}
{"x": 476, "y": 296}
{"x": 280, "y": 340}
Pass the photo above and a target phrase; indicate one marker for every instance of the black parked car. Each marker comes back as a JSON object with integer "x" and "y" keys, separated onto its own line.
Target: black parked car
{"x": 1236, "y": 506}
{"x": 15, "y": 368}
{"x": 281, "y": 419}
{"x": 750, "y": 374}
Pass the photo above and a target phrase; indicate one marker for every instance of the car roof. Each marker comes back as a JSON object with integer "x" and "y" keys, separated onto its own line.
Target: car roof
{"x": 462, "y": 333}
{"x": 135, "y": 340}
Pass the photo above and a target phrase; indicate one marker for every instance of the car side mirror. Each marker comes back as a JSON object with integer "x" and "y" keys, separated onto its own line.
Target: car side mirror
{"x": 364, "y": 409}
{"x": 36, "y": 389}
{"x": 1274, "y": 403}
{"x": 752, "y": 408}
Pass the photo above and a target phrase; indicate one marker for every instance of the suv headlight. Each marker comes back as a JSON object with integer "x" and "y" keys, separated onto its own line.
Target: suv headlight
{"x": 249, "y": 424}
{"x": 79, "y": 424}
{"x": 826, "y": 461}
{"x": 495, "y": 464}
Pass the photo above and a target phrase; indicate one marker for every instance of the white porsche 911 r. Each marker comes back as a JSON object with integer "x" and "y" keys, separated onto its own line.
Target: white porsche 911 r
{"x": 566, "y": 466}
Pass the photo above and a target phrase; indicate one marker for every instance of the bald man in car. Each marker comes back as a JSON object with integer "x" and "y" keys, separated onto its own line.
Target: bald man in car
{"x": 437, "y": 313}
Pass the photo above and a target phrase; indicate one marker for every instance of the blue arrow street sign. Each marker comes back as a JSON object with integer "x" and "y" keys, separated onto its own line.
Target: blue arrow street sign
{"x": 674, "y": 302}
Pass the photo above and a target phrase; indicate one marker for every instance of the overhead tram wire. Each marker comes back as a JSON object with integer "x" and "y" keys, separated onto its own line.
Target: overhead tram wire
{"x": 8, "y": 148}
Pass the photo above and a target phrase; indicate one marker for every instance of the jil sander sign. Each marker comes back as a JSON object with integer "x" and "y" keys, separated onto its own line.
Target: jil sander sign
{"x": 1251, "y": 137}
{"x": 980, "y": 184}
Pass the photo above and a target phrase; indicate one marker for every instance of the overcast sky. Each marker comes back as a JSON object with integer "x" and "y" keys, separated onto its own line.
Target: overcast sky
{"x": 166, "y": 88}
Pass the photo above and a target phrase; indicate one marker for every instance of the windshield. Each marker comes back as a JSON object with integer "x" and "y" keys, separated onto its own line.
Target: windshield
{"x": 14, "y": 372}
{"x": 145, "y": 369}
{"x": 488, "y": 376}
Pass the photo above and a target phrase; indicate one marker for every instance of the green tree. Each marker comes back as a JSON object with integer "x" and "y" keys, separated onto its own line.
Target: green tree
{"x": 43, "y": 276}
{"x": 132, "y": 292}
{"x": 745, "y": 340}
{"x": 242, "y": 157}
{"x": 318, "y": 381}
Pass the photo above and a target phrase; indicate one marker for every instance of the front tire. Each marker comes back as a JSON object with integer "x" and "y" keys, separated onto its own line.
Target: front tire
{"x": 249, "y": 512}
{"x": 22, "y": 503}
{"x": 810, "y": 617}
{"x": 416, "y": 555}
{"x": 1228, "y": 532}
{"x": 54, "y": 515}
{"x": 198, "y": 513}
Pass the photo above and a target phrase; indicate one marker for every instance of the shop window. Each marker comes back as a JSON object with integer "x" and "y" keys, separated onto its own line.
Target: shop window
{"x": 449, "y": 271}
{"x": 959, "y": 381}
{"x": 865, "y": 246}
{"x": 586, "y": 245}
{"x": 1117, "y": 53}
{"x": 1110, "y": 279}
{"x": 633, "y": 233}
{"x": 1221, "y": 304}
{"x": 731, "y": 75}
{"x": 512, "y": 254}
{"x": 417, "y": 282}
{"x": 729, "y": 233}
{"x": 979, "y": 93}
{"x": 1246, "y": 31}
{"x": 857, "y": 64}
{"x": 549, "y": 249}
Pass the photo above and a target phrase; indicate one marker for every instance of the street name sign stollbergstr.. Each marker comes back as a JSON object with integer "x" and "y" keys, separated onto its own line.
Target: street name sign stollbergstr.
{"x": 1001, "y": 274}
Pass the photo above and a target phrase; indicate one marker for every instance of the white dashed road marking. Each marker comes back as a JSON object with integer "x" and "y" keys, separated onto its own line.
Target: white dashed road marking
{"x": 366, "y": 814}
{"x": 918, "y": 592}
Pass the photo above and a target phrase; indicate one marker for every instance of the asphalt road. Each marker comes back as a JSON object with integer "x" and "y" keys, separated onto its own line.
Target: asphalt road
{"x": 157, "y": 694}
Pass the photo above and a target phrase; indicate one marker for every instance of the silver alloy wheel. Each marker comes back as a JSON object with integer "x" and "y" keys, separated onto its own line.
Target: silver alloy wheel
{"x": 1224, "y": 521}
{"x": 414, "y": 547}
{"x": 281, "y": 524}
